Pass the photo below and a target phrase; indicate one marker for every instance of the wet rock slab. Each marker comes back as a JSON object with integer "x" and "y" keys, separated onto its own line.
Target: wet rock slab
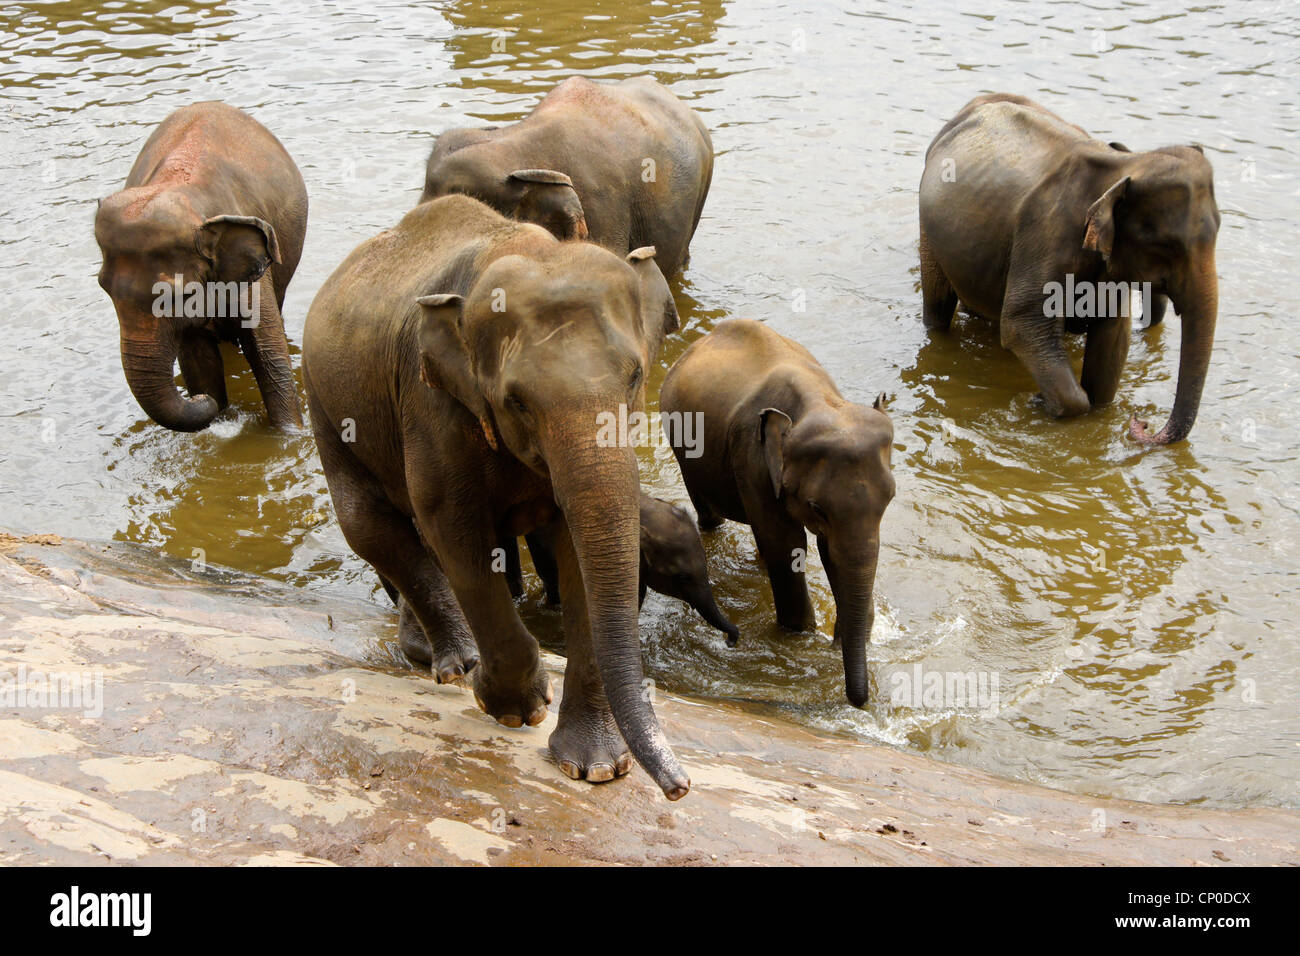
{"x": 248, "y": 724}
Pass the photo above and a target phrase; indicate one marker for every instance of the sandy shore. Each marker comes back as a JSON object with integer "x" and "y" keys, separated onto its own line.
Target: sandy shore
{"x": 247, "y": 724}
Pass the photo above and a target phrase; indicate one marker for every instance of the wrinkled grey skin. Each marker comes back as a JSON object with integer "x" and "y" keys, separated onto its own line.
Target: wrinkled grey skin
{"x": 785, "y": 453}
{"x": 672, "y": 562}
{"x": 625, "y": 164}
{"x": 213, "y": 197}
{"x": 1013, "y": 198}
{"x": 444, "y": 424}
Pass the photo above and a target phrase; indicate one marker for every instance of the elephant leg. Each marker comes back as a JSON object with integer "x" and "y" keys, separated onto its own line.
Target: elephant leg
{"x": 510, "y": 683}
{"x": 783, "y": 546}
{"x": 586, "y": 743}
{"x": 707, "y": 517}
{"x": 1039, "y": 342}
{"x": 938, "y": 298}
{"x": 514, "y": 571}
{"x": 201, "y": 364}
{"x": 267, "y": 350}
{"x": 386, "y": 539}
{"x": 1104, "y": 356}
{"x": 539, "y": 549}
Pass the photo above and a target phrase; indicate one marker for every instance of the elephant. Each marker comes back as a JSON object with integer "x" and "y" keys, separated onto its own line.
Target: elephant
{"x": 456, "y": 366}
{"x": 784, "y": 452}
{"x": 672, "y": 563}
{"x": 625, "y": 164}
{"x": 1016, "y": 203}
{"x": 214, "y": 210}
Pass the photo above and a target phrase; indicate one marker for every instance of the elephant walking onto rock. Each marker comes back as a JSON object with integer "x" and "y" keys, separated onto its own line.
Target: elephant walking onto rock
{"x": 456, "y": 367}
{"x": 211, "y": 222}
{"x": 1017, "y": 204}
{"x": 786, "y": 453}
{"x": 625, "y": 164}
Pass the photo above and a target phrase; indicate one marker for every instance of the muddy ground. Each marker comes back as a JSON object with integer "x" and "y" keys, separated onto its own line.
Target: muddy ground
{"x": 248, "y": 724}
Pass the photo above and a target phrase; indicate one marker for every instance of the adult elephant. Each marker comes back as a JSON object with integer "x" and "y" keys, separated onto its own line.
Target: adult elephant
{"x": 785, "y": 453}
{"x": 625, "y": 164}
{"x": 456, "y": 366}
{"x": 198, "y": 248}
{"x": 1017, "y": 204}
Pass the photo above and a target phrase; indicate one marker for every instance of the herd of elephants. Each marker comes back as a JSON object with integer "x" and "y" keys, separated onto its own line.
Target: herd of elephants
{"x": 457, "y": 364}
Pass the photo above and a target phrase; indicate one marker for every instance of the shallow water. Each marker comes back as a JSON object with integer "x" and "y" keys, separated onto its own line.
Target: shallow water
{"x": 1136, "y": 608}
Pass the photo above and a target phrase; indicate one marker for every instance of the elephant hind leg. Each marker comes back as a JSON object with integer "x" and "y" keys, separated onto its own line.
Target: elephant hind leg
{"x": 938, "y": 298}
{"x": 387, "y": 540}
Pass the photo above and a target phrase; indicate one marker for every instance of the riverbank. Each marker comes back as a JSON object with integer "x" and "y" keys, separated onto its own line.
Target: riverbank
{"x": 247, "y": 723}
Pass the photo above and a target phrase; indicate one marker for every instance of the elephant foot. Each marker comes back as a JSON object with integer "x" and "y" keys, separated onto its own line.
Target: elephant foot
{"x": 450, "y": 661}
{"x": 514, "y": 702}
{"x": 586, "y": 744}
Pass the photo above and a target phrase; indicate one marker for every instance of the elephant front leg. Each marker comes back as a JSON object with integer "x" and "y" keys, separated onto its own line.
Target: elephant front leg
{"x": 510, "y": 682}
{"x": 1104, "y": 356}
{"x": 783, "y": 546}
{"x": 586, "y": 743}
{"x": 263, "y": 342}
{"x": 1038, "y": 340}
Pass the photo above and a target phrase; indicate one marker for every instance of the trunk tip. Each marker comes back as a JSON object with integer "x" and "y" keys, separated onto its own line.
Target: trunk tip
{"x": 857, "y": 695}
{"x": 678, "y": 789}
{"x": 1141, "y": 433}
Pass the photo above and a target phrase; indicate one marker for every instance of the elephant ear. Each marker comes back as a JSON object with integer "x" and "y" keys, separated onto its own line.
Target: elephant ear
{"x": 1100, "y": 234}
{"x": 773, "y": 425}
{"x": 240, "y": 248}
{"x": 549, "y": 199}
{"x": 658, "y": 309}
{"x": 445, "y": 360}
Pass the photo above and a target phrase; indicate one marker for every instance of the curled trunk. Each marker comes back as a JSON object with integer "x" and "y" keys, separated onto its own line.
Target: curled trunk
{"x": 148, "y": 359}
{"x": 1198, "y": 307}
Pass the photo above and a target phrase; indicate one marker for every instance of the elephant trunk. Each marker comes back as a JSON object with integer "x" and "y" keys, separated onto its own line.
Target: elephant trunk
{"x": 852, "y": 572}
{"x": 704, "y": 603}
{"x": 1198, "y": 306}
{"x": 598, "y": 490}
{"x": 148, "y": 355}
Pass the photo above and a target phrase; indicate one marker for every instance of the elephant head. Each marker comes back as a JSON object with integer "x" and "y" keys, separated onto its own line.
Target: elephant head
{"x": 1159, "y": 224}
{"x": 541, "y": 196}
{"x": 540, "y": 349}
{"x": 831, "y": 471}
{"x": 148, "y": 238}
{"x": 673, "y": 562}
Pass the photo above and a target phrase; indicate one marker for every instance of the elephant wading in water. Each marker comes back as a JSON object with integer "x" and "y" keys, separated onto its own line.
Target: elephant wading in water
{"x": 672, "y": 562}
{"x": 625, "y": 164}
{"x": 1016, "y": 202}
{"x": 456, "y": 368}
{"x": 783, "y": 451}
{"x": 211, "y": 221}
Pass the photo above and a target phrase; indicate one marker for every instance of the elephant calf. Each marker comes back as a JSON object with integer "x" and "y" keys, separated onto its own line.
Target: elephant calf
{"x": 672, "y": 562}
{"x": 783, "y": 451}
{"x": 1016, "y": 202}
{"x": 211, "y": 223}
{"x": 456, "y": 368}
{"x": 627, "y": 164}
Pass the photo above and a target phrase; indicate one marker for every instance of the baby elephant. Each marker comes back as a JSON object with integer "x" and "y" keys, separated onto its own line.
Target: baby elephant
{"x": 672, "y": 563}
{"x": 625, "y": 164}
{"x": 199, "y": 248}
{"x": 783, "y": 451}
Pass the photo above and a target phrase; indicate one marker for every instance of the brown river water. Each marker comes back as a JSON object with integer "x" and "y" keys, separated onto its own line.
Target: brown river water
{"x": 1136, "y": 609}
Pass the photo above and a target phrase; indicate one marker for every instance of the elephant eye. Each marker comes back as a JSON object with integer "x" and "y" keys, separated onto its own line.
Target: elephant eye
{"x": 516, "y": 403}
{"x": 816, "y": 509}
{"x": 635, "y": 381}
